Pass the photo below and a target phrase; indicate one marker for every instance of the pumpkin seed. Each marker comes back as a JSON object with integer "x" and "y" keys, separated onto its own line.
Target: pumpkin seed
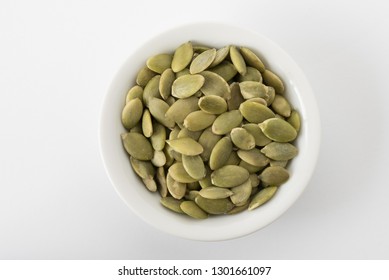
{"x": 159, "y": 159}
{"x": 271, "y": 79}
{"x": 150, "y": 184}
{"x": 186, "y": 146}
{"x": 183, "y": 72}
{"x": 253, "y": 157}
{"x": 168, "y": 151}
{"x": 192, "y": 209}
{"x": 220, "y": 153}
{"x": 221, "y": 54}
{"x": 237, "y": 60}
{"x": 225, "y": 122}
{"x": 132, "y": 113}
{"x": 213, "y": 104}
{"x": 241, "y": 193}
{"x": 198, "y": 120}
{"x": 274, "y": 175}
{"x": 271, "y": 94}
{"x": 214, "y": 206}
{"x": 158, "y": 109}
{"x": 252, "y": 59}
{"x": 144, "y": 76}
{"x": 151, "y": 90}
{"x": 143, "y": 169}
{"x": 166, "y": 82}
{"x": 242, "y": 138}
{"x": 147, "y": 124}
{"x": 184, "y": 133}
{"x": 225, "y": 69}
{"x": 255, "y": 112}
{"x": 182, "y": 56}
{"x": 208, "y": 141}
{"x": 174, "y": 133}
{"x": 235, "y": 98}
{"x": 170, "y": 100}
{"x": 179, "y": 174}
{"x": 281, "y": 106}
{"x": 172, "y": 204}
{"x": 254, "y": 180}
{"x": 249, "y": 167}
{"x": 229, "y": 176}
{"x": 214, "y": 84}
{"x": 294, "y": 120}
{"x": 159, "y": 136}
{"x": 202, "y": 61}
{"x": 238, "y": 209}
{"x": 137, "y": 146}
{"x": 159, "y": 63}
{"x": 215, "y": 193}
{"x": 262, "y": 197}
{"x": 278, "y": 130}
{"x": 134, "y": 92}
{"x": 252, "y": 74}
{"x": 251, "y": 89}
{"x": 280, "y": 151}
{"x": 175, "y": 188}
{"x": 181, "y": 109}
{"x": 256, "y": 132}
{"x": 281, "y": 163}
{"x": 194, "y": 166}
{"x": 258, "y": 100}
{"x": 186, "y": 86}
{"x": 161, "y": 178}
{"x": 191, "y": 195}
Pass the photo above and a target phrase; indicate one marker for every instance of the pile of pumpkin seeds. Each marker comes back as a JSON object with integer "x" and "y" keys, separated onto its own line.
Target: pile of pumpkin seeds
{"x": 210, "y": 129}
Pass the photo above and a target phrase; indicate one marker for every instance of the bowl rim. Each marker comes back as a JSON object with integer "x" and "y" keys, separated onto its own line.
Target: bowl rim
{"x": 312, "y": 125}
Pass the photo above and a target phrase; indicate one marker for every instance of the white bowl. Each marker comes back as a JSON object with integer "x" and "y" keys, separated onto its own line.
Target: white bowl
{"x": 146, "y": 204}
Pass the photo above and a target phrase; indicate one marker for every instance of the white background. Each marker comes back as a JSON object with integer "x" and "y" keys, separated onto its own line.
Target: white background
{"x": 57, "y": 59}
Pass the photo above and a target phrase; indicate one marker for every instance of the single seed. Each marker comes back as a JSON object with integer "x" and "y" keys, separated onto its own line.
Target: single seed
{"x": 241, "y": 193}
{"x": 251, "y": 89}
{"x": 253, "y": 157}
{"x": 215, "y": 193}
{"x": 214, "y": 206}
{"x": 137, "y": 146}
{"x": 186, "y": 146}
{"x": 208, "y": 141}
{"x": 158, "y": 109}
{"x": 172, "y": 204}
{"x": 202, "y": 61}
{"x": 213, "y": 104}
{"x": 220, "y": 153}
{"x": 229, "y": 176}
{"x": 225, "y": 69}
{"x": 255, "y": 112}
{"x": 132, "y": 113}
{"x": 214, "y": 84}
{"x": 294, "y": 120}
{"x": 147, "y": 124}
{"x": 182, "y": 56}
{"x": 175, "y": 188}
{"x": 161, "y": 179}
{"x": 252, "y": 74}
{"x": 281, "y": 106}
{"x": 252, "y": 59}
{"x": 150, "y": 184}
{"x": 262, "y": 197}
{"x": 198, "y": 120}
{"x": 271, "y": 79}
{"x": 242, "y": 138}
{"x": 159, "y": 159}
{"x": 274, "y": 175}
{"x": 280, "y": 151}
{"x": 179, "y": 174}
{"x": 159, "y": 62}
{"x": 134, "y": 92}
{"x": 278, "y": 130}
{"x": 166, "y": 82}
{"x": 181, "y": 109}
{"x": 221, "y": 54}
{"x": 225, "y": 122}
{"x": 151, "y": 90}
{"x": 159, "y": 136}
{"x": 194, "y": 166}
{"x": 186, "y": 86}
{"x": 193, "y": 210}
{"x": 143, "y": 169}
{"x": 144, "y": 76}
{"x": 237, "y": 60}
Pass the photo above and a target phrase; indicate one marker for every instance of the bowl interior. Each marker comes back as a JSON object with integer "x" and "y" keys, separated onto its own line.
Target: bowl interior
{"x": 146, "y": 204}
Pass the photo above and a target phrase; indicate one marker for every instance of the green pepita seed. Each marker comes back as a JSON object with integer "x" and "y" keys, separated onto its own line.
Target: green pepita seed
{"x": 255, "y": 112}
{"x": 137, "y": 146}
{"x": 271, "y": 94}
{"x": 186, "y": 86}
{"x": 158, "y": 109}
{"x": 151, "y": 90}
{"x": 214, "y": 84}
{"x": 214, "y": 206}
{"x": 237, "y": 60}
{"x": 235, "y": 98}
{"x": 251, "y": 89}
{"x": 147, "y": 124}
{"x": 241, "y": 193}
{"x": 238, "y": 209}
{"x": 144, "y": 169}
{"x": 252, "y": 74}
{"x": 294, "y": 120}
{"x": 281, "y": 106}
{"x": 254, "y": 157}
{"x": 192, "y": 209}
{"x": 229, "y": 176}
{"x": 134, "y": 92}
{"x": 259, "y": 137}
{"x": 252, "y": 59}
{"x": 161, "y": 179}
{"x": 198, "y": 120}
{"x": 172, "y": 204}
{"x": 249, "y": 167}
{"x": 186, "y": 146}
{"x": 220, "y": 153}
{"x": 150, "y": 184}
{"x": 225, "y": 122}
{"x": 280, "y": 151}
{"x": 159, "y": 62}
{"x": 271, "y": 79}
{"x": 225, "y": 69}
{"x": 159, "y": 159}
{"x": 208, "y": 141}
{"x": 213, "y": 104}
{"x": 166, "y": 82}
{"x": 202, "y": 61}
{"x": 159, "y": 136}
{"x": 262, "y": 197}
{"x": 175, "y": 188}
{"x": 184, "y": 133}
{"x": 194, "y": 166}
{"x": 215, "y": 193}
{"x": 274, "y": 175}
{"x": 278, "y": 130}
{"x": 181, "y": 109}
{"x": 221, "y": 54}
{"x": 242, "y": 138}
{"x": 182, "y": 56}
{"x": 179, "y": 174}
{"x": 144, "y": 76}
{"x": 132, "y": 113}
